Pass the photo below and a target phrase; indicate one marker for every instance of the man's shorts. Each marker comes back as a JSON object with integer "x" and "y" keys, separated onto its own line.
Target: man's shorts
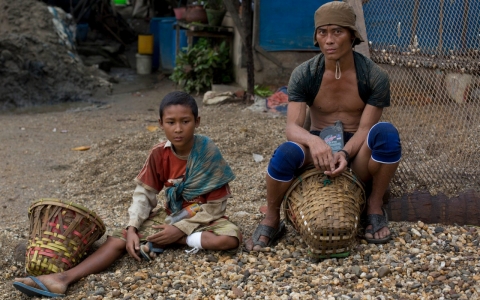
{"x": 218, "y": 227}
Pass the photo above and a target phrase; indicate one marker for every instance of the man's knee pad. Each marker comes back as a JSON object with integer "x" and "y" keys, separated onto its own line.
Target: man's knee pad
{"x": 384, "y": 141}
{"x": 285, "y": 161}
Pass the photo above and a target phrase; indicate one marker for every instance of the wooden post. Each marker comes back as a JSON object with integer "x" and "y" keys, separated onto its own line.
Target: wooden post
{"x": 360, "y": 24}
{"x": 244, "y": 27}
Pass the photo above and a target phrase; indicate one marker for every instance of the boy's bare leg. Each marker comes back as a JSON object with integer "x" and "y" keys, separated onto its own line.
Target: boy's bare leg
{"x": 98, "y": 261}
{"x": 211, "y": 241}
{"x": 275, "y": 192}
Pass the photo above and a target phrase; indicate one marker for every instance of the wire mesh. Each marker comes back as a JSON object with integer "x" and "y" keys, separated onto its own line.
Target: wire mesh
{"x": 430, "y": 50}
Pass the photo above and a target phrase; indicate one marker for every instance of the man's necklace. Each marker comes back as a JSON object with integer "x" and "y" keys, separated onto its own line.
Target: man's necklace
{"x": 338, "y": 72}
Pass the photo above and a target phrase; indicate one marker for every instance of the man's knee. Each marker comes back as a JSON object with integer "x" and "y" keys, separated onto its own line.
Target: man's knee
{"x": 285, "y": 161}
{"x": 384, "y": 142}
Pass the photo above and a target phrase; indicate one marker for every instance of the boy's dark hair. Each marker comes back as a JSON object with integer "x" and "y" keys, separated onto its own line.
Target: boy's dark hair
{"x": 179, "y": 98}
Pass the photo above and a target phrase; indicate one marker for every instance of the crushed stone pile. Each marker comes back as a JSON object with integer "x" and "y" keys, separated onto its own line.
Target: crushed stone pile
{"x": 38, "y": 61}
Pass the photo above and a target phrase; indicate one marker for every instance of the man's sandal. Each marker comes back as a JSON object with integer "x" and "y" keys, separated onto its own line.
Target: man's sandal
{"x": 271, "y": 233}
{"x": 377, "y": 222}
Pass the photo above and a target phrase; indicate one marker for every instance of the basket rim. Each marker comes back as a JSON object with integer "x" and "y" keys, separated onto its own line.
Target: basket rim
{"x": 70, "y": 205}
{"x": 347, "y": 173}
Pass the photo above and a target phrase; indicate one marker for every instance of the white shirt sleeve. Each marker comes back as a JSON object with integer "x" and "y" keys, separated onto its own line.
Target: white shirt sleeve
{"x": 144, "y": 201}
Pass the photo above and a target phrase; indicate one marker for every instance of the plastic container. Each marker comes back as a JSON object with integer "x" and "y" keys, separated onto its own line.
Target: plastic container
{"x": 167, "y": 45}
{"x": 82, "y": 31}
{"x": 155, "y": 31}
{"x": 185, "y": 213}
{"x": 145, "y": 44}
{"x": 144, "y": 64}
{"x": 180, "y": 12}
{"x": 333, "y": 136}
{"x": 168, "y": 41}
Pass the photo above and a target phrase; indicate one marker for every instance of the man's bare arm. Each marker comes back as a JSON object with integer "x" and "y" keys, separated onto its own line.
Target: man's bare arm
{"x": 296, "y": 115}
{"x": 321, "y": 153}
{"x": 370, "y": 116}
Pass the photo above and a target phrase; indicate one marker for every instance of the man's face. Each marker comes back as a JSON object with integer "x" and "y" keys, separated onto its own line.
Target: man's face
{"x": 334, "y": 41}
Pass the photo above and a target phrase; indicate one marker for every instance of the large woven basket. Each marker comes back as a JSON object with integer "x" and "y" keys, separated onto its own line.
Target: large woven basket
{"x": 325, "y": 211}
{"x": 60, "y": 235}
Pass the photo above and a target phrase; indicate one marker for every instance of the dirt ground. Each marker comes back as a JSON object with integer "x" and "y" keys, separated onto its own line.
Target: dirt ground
{"x": 38, "y": 160}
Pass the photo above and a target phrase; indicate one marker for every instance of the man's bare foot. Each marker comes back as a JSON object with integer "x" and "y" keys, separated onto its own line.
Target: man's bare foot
{"x": 380, "y": 234}
{"x": 250, "y": 245}
{"x": 377, "y": 231}
{"x": 55, "y": 283}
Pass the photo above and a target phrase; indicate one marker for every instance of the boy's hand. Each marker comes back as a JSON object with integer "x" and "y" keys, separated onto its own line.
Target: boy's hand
{"x": 168, "y": 234}
{"x": 133, "y": 243}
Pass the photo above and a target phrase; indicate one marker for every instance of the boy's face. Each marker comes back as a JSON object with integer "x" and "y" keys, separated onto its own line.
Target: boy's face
{"x": 179, "y": 123}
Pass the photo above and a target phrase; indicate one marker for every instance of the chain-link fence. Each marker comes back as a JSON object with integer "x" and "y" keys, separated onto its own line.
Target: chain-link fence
{"x": 431, "y": 51}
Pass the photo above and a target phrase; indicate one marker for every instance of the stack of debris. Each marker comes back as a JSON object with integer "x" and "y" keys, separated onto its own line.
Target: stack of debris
{"x": 39, "y": 58}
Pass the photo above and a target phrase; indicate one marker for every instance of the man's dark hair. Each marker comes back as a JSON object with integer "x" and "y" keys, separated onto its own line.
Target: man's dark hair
{"x": 178, "y": 98}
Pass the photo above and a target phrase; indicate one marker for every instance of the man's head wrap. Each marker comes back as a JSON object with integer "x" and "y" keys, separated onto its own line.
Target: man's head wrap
{"x": 336, "y": 13}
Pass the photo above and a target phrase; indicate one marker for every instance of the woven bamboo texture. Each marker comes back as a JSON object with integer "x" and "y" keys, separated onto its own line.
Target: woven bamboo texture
{"x": 60, "y": 235}
{"x": 325, "y": 211}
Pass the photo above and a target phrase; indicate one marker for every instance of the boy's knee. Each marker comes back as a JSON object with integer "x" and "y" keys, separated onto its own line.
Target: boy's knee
{"x": 285, "y": 161}
{"x": 384, "y": 142}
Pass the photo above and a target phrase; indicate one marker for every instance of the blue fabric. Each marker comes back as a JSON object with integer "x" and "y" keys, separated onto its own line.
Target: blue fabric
{"x": 384, "y": 141}
{"x": 285, "y": 161}
{"x": 206, "y": 171}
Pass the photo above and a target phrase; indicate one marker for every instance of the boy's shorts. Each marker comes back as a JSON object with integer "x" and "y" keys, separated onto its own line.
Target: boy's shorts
{"x": 219, "y": 227}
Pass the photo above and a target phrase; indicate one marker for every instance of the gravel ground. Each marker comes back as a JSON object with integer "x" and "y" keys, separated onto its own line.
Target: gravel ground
{"x": 423, "y": 261}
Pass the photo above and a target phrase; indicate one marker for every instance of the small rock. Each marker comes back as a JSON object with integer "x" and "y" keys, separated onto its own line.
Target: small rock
{"x": 383, "y": 271}
{"x": 356, "y": 270}
{"x": 416, "y": 232}
{"x": 100, "y": 291}
{"x": 238, "y": 292}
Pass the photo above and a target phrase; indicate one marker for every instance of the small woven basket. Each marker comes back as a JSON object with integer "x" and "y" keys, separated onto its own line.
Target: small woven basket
{"x": 325, "y": 211}
{"x": 60, "y": 235}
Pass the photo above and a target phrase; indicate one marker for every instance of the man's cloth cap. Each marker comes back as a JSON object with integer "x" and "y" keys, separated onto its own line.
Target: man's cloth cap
{"x": 336, "y": 13}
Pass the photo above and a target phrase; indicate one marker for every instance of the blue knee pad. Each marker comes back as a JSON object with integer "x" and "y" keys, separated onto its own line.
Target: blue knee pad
{"x": 384, "y": 141}
{"x": 285, "y": 161}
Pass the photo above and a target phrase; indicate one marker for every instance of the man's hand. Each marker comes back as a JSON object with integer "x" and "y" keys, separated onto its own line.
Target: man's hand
{"x": 340, "y": 164}
{"x": 167, "y": 234}
{"x": 321, "y": 153}
{"x": 133, "y": 243}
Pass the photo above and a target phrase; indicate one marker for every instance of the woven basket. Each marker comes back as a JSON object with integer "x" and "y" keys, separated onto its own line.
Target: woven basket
{"x": 60, "y": 235}
{"x": 325, "y": 211}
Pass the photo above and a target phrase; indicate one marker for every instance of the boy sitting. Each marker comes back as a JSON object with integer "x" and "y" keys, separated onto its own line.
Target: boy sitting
{"x": 192, "y": 170}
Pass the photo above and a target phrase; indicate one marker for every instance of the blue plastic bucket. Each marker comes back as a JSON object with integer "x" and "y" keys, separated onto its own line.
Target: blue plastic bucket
{"x": 155, "y": 31}
{"x": 168, "y": 41}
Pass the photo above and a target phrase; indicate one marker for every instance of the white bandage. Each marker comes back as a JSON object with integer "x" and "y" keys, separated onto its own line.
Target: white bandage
{"x": 195, "y": 240}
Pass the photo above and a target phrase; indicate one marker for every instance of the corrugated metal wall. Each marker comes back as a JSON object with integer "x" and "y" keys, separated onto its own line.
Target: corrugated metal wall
{"x": 287, "y": 25}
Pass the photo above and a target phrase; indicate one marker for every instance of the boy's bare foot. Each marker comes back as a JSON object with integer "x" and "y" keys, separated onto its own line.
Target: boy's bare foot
{"x": 146, "y": 249}
{"x": 151, "y": 250}
{"x": 54, "y": 282}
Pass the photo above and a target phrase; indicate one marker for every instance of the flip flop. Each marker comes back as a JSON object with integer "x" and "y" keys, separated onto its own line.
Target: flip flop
{"x": 145, "y": 255}
{"x": 35, "y": 292}
{"x": 268, "y": 231}
{"x": 377, "y": 222}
